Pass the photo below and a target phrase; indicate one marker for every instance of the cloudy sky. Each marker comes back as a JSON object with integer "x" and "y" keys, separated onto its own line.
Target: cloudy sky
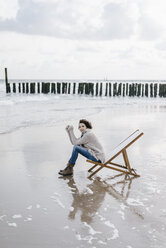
{"x": 83, "y": 39}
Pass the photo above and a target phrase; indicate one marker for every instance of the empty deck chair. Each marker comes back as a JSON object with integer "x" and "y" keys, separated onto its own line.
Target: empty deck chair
{"x": 121, "y": 148}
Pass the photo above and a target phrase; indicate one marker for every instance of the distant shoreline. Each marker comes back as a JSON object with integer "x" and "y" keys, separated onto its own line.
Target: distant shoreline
{"x": 84, "y": 80}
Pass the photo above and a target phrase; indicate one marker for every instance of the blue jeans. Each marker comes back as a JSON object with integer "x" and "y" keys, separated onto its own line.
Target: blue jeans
{"x": 83, "y": 151}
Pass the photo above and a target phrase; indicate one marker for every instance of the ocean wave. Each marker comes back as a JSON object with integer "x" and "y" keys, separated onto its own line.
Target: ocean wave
{"x": 20, "y": 111}
{"x": 26, "y": 114}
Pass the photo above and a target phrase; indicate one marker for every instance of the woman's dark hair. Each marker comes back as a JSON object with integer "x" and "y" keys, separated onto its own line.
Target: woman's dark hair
{"x": 87, "y": 123}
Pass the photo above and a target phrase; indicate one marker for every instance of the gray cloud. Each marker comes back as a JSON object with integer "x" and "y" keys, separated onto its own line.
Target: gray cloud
{"x": 116, "y": 23}
{"x": 66, "y": 20}
{"x": 149, "y": 29}
{"x": 41, "y": 18}
{"x": 87, "y": 49}
{"x": 36, "y": 18}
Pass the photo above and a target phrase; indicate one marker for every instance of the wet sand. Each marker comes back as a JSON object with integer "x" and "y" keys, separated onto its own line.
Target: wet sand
{"x": 38, "y": 208}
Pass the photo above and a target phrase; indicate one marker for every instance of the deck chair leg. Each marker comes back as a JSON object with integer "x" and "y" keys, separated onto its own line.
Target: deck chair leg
{"x": 101, "y": 167}
{"x": 95, "y": 164}
{"x": 92, "y": 168}
{"x": 126, "y": 160}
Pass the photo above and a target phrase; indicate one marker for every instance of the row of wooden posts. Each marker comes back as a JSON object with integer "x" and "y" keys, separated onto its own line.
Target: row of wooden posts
{"x": 94, "y": 89}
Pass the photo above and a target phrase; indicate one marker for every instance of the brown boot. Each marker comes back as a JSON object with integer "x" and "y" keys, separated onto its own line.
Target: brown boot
{"x": 68, "y": 170}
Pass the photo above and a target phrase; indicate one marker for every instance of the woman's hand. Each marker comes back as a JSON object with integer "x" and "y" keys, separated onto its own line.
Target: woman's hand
{"x": 68, "y": 127}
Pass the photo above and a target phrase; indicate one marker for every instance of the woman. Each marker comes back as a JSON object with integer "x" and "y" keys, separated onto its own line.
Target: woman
{"x": 87, "y": 145}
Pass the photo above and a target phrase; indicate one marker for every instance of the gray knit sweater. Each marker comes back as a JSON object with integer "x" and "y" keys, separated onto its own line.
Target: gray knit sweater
{"x": 89, "y": 141}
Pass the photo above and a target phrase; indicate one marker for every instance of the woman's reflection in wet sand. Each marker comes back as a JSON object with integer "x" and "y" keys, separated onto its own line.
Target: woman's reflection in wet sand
{"x": 89, "y": 201}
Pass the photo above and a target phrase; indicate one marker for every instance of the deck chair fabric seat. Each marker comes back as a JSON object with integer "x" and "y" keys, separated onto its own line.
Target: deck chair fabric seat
{"x": 121, "y": 148}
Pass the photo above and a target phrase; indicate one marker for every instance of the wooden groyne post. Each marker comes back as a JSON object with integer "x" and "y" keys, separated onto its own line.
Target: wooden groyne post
{"x": 108, "y": 89}
{"x": 6, "y": 82}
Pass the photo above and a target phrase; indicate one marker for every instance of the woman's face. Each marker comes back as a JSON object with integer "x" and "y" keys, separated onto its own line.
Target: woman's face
{"x": 82, "y": 127}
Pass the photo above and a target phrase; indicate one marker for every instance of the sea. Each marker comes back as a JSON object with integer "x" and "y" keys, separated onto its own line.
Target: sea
{"x": 24, "y": 110}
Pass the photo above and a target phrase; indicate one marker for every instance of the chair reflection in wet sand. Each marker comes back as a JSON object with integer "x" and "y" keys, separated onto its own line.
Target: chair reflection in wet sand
{"x": 120, "y": 149}
{"x": 91, "y": 199}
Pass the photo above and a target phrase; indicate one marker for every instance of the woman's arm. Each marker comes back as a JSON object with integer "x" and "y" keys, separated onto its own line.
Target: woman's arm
{"x": 73, "y": 139}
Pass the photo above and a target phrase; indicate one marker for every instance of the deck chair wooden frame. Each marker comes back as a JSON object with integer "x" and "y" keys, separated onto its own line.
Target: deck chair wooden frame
{"x": 121, "y": 148}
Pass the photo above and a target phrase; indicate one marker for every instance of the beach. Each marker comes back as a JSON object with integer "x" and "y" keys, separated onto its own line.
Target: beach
{"x": 39, "y": 208}
{"x": 103, "y": 61}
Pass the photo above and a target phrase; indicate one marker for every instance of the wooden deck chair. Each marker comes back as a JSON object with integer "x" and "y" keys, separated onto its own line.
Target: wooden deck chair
{"x": 121, "y": 148}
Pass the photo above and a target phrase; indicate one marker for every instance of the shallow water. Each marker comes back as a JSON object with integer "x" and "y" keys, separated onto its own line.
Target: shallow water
{"x": 38, "y": 208}
{"x": 26, "y": 110}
